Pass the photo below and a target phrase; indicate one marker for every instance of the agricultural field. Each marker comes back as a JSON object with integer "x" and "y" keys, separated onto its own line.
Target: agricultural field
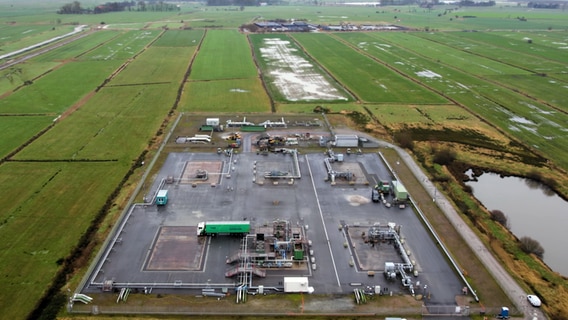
{"x": 91, "y": 143}
{"x": 158, "y": 65}
{"x": 77, "y": 47}
{"x": 15, "y": 77}
{"x": 506, "y": 108}
{"x": 224, "y": 77}
{"x": 19, "y": 36}
{"x": 292, "y": 76}
{"x": 368, "y": 79}
{"x": 58, "y": 90}
{"x": 515, "y": 49}
{"x": 234, "y": 95}
{"x": 491, "y": 84}
{"x": 179, "y": 38}
{"x": 16, "y": 130}
{"x": 123, "y": 47}
{"x": 224, "y": 54}
{"x": 96, "y": 130}
{"x": 47, "y": 207}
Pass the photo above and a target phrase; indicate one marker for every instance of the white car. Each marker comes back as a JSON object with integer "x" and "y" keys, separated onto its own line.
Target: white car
{"x": 534, "y": 300}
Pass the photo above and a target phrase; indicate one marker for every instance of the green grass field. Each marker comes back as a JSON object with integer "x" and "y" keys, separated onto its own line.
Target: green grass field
{"x": 224, "y": 54}
{"x": 238, "y": 95}
{"x": 17, "y": 130}
{"x": 78, "y": 47}
{"x": 180, "y": 38}
{"x": 97, "y": 131}
{"x": 500, "y": 104}
{"x": 20, "y": 36}
{"x": 59, "y": 89}
{"x": 57, "y": 184}
{"x": 156, "y": 65}
{"x": 370, "y": 80}
{"x": 123, "y": 47}
{"x": 46, "y": 209}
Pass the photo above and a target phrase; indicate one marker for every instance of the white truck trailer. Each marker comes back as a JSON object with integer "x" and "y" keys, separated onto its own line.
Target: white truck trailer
{"x": 297, "y": 284}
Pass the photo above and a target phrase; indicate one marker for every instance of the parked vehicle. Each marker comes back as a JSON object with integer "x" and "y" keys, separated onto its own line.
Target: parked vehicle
{"x": 534, "y": 300}
{"x": 214, "y": 228}
{"x": 375, "y": 196}
{"x": 162, "y": 197}
{"x": 504, "y": 314}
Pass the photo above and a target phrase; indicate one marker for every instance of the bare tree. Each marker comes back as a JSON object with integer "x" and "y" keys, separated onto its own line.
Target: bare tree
{"x": 499, "y": 216}
{"x": 530, "y": 245}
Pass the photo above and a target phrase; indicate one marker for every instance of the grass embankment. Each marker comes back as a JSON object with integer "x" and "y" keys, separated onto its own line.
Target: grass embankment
{"x": 271, "y": 306}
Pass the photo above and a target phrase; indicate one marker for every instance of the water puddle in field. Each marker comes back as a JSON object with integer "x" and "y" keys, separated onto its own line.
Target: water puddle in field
{"x": 428, "y": 74}
{"x": 295, "y": 77}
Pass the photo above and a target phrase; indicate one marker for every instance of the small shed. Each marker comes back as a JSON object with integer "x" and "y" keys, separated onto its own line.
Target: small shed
{"x": 212, "y": 121}
{"x": 346, "y": 140}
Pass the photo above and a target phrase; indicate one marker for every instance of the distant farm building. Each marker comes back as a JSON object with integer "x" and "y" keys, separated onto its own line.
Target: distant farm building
{"x": 301, "y": 26}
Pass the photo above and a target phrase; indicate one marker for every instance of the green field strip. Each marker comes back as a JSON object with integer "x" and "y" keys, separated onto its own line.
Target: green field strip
{"x": 224, "y": 54}
{"x": 77, "y": 47}
{"x": 561, "y": 76}
{"x": 238, "y": 95}
{"x": 14, "y": 77}
{"x": 17, "y": 37}
{"x": 537, "y": 87}
{"x": 489, "y": 18}
{"x": 543, "y": 89}
{"x": 58, "y": 90}
{"x": 179, "y": 38}
{"x": 156, "y": 65}
{"x": 554, "y": 39}
{"x": 512, "y": 49}
{"x": 97, "y": 130}
{"x": 463, "y": 60}
{"x": 46, "y": 209}
{"x": 368, "y": 79}
{"x": 16, "y": 130}
{"x": 220, "y": 17}
{"x": 123, "y": 47}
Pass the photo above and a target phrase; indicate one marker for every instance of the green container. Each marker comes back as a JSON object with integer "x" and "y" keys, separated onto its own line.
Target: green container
{"x": 298, "y": 254}
{"x": 253, "y": 128}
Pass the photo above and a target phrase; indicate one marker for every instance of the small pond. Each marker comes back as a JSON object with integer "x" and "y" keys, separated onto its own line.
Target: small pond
{"x": 532, "y": 210}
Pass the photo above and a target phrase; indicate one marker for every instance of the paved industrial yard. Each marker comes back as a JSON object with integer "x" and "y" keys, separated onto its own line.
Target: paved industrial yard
{"x": 157, "y": 247}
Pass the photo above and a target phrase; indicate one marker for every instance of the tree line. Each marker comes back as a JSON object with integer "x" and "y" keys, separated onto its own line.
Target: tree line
{"x": 150, "y": 5}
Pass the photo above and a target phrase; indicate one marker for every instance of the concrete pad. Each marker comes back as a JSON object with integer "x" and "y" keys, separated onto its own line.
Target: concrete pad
{"x": 176, "y": 249}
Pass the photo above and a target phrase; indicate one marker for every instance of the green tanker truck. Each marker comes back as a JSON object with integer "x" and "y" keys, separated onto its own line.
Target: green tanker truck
{"x": 214, "y": 228}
